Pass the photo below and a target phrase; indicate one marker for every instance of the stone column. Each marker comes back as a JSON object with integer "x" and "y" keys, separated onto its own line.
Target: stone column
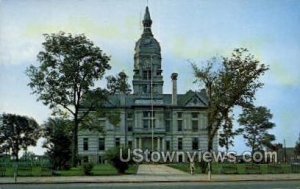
{"x": 163, "y": 144}
{"x": 135, "y": 142}
{"x": 140, "y": 143}
{"x": 158, "y": 143}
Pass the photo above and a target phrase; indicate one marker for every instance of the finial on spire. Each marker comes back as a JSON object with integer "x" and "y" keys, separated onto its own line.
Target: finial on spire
{"x": 147, "y": 22}
{"x": 147, "y": 19}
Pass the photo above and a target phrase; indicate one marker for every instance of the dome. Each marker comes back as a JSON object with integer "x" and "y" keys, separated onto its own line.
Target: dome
{"x": 147, "y": 44}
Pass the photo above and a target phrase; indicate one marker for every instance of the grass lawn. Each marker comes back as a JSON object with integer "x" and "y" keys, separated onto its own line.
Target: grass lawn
{"x": 218, "y": 168}
{"x": 98, "y": 170}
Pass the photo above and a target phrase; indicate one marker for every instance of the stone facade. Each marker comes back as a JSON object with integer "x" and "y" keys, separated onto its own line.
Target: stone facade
{"x": 150, "y": 119}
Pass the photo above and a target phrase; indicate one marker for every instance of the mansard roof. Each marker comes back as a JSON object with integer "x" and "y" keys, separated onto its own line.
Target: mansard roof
{"x": 187, "y": 100}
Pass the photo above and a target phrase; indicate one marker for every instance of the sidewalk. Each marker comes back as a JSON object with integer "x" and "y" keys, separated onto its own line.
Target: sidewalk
{"x": 151, "y": 173}
{"x": 149, "y": 178}
{"x": 151, "y": 169}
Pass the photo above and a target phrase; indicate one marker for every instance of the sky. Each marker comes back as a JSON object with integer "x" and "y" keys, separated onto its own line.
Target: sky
{"x": 193, "y": 30}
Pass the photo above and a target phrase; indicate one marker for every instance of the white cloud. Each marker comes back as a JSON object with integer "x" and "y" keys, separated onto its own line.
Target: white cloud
{"x": 15, "y": 48}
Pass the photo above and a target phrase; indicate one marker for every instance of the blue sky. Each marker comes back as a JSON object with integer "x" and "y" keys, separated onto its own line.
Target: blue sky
{"x": 187, "y": 30}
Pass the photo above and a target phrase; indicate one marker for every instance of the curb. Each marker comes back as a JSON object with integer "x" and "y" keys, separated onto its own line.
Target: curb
{"x": 150, "y": 181}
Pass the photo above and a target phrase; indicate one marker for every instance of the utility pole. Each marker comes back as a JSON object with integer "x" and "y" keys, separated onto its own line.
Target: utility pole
{"x": 151, "y": 88}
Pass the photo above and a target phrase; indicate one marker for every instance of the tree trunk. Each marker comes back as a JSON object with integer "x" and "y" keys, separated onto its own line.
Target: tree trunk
{"x": 75, "y": 143}
{"x": 17, "y": 156}
{"x": 210, "y": 149}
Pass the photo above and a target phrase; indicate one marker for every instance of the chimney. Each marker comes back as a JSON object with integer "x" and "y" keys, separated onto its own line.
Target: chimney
{"x": 174, "y": 89}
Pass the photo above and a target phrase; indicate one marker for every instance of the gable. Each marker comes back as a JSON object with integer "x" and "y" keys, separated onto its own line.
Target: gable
{"x": 195, "y": 101}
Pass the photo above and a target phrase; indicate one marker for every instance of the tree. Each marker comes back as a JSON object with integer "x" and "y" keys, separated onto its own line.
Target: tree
{"x": 227, "y": 134}
{"x": 256, "y": 124}
{"x": 28, "y": 156}
{"x": 69, "y": 67}
{"x": 113, "y": 156}
{"x": 18, "y": 132}
{"x": 297, "y": 146}
{"x": 58, "y": 135}
{"x": 118, "y": 84}
{"x": 229, "y": 83}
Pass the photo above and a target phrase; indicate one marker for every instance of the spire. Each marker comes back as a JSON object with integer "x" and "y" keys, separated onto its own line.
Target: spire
{"x": 147, "y": 22}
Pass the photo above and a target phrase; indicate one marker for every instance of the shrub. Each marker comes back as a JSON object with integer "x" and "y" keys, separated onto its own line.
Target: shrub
{"x": 113, "y": 157}
{"x": 87, "y": 168}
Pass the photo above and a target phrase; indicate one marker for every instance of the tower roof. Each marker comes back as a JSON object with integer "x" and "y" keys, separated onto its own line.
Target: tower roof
{"x": 147, "y": 22}
{"x": 147, "y": 43}
{"x": 147, "y": 17}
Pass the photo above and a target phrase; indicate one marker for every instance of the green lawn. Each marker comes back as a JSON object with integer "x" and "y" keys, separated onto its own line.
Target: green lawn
{"x": 98, "y": 170}
{"x": 218, "y": 168}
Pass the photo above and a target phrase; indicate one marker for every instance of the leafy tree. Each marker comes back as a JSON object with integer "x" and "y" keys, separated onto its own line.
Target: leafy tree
{"x": 229, "y": 83}
{"x": 28, "y": 156}
{"x": 227, "y": 134}
{"x": 256, "y": 124}
{"x": 69, "y": 68}
{"x": 297, "y": 146}
{"x": 58, "y": 135}
{"x": 113, "y": 155}
{"x": 87, "y": 168}
{"x": 18, "y": 132}
{"x": 118, "y": 84}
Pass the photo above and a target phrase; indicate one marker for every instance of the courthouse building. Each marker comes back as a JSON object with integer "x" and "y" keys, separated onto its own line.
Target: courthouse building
{"x": 149, "y": 118}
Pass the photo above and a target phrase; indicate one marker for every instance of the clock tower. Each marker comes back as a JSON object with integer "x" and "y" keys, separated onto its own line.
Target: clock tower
{"x": 147, "y": 79}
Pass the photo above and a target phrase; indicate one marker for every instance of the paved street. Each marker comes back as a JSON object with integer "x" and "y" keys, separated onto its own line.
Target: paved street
{"x": 206, "y": 185}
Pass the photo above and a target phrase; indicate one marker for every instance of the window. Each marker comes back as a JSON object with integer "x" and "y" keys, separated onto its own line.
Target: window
{"x": 129, "y": 126}
{"x": 195, "y": 144}
{"x": 179, "y": 125}
{"x": 194, "y": 125}
{"x": 101, "y": 144}
{"x": 195, "y": 115}
{"x": 129, "y": 115}
{"x": 168, "y": 115}
{"x": 179, "y": 114}
{"x": 168, "y": 121}
{"x": 129, "y": 121}
{"x": 167, "y": 124}
{"x": 147, "y": 122}
{"x": 153, "y": 123}
{"x": 130, "y": 144}
{"x": 85, "y": 144}
{"x": 145, "y": 88}
{"x": 146, "y": 114}
{"x": 168, "y": 146}
{"x": 180, "y": 158}
{"x": 117, "y": 142}
{"x": 147, "y": 74}
{"x": 179, "y": 145}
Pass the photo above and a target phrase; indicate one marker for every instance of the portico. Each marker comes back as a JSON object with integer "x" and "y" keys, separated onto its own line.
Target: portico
{"x": 145, "y": 142}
